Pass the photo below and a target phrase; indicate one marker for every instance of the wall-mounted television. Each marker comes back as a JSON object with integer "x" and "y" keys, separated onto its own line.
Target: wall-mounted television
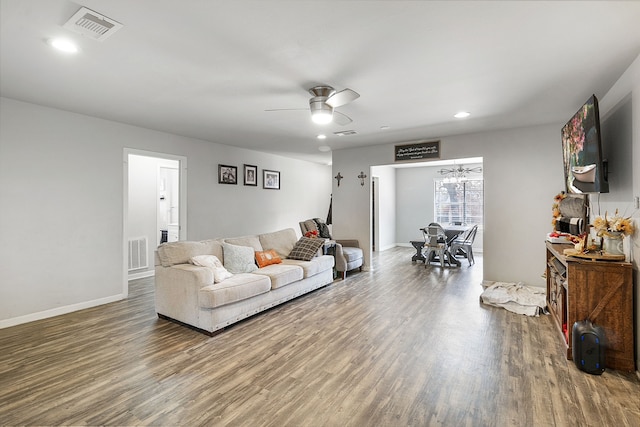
{"x": 584, "y": 169}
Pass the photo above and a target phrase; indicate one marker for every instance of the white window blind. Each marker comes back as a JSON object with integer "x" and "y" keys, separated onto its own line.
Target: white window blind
{"x": 459, "y": 202}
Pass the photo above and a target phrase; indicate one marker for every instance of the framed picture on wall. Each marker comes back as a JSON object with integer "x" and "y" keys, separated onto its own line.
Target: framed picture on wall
{"x": 270, "y": 179}
{"x": 250, "y": 175}
{"x": 227, "y": 174}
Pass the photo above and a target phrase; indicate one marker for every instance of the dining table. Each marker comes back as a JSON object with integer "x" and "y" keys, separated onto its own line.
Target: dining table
{"x": 454, "y": 230}
{"x": 451, "y": 231}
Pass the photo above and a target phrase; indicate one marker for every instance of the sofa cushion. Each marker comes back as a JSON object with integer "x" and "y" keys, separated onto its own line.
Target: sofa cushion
{"x": 237, "y": 288}
{"x": 211, "y": 261}
{"x": 313, "y": 267}
{"x": 251, "y": 241}
{"x": 181, "y": 252}
{"x": 352, "y": 254}
{"x": 239, "y": 259}
{"x": 264, "y": 258}
{"x": 281, "y": 241}
{"x": 306, "y": 248}
{"x": 281, "y": 274}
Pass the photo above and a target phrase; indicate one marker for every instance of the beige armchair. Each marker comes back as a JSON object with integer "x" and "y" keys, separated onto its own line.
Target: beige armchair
{"x": 348, "y": 254}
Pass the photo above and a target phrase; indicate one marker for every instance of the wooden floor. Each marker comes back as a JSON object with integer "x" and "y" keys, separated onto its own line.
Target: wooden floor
{"x": 397, "y": 346}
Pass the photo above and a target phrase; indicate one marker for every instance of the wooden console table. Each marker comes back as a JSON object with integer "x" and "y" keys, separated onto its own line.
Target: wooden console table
{"x": 575, "y": 287}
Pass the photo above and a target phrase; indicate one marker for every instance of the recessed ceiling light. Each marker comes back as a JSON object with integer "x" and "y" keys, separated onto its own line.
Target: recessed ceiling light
{"x": 64, "y": 45}
{"x": 385, "y": 127}
{"x": 321, "y": 136}
{"x": 324, "y": 148}
{"x": 462, "y": 115}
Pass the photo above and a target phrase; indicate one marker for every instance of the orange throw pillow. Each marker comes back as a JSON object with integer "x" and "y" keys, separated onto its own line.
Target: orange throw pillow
{"x": 269, "y": 257}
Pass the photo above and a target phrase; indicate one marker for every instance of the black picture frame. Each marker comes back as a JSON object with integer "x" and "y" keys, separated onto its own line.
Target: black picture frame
{"x": 270, "y": 179}
{"x": 227, "y": 174}
{"x": 251, "y": 175}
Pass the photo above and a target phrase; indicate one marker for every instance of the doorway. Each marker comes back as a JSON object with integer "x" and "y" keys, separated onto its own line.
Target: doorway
{"x": 402, "y": 201}
{"x": 154, "y": 208}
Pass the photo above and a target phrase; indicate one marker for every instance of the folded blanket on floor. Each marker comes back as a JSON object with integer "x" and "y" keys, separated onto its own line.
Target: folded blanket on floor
{"x": 515, "y": 297}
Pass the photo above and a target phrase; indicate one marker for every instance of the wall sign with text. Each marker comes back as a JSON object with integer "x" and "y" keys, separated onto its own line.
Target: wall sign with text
{"x": 417, "y": 151}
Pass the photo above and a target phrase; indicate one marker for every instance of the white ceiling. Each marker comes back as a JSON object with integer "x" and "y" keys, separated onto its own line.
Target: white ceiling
{"x": 209, "y": 69}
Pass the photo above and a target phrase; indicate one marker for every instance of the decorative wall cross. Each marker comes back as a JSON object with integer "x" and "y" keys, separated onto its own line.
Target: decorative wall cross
{"x": 338, "y": 178}
{"x": 362, "y": 176}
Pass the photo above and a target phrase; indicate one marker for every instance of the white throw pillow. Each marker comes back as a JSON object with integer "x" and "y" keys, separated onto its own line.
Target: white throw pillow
{"x": 239, "y": 259}
{"x": 206, "y": 261}
{"x": 211, "y": 261}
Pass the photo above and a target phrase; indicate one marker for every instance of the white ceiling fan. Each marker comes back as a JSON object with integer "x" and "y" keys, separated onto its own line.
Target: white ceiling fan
{"x": 324, "y": 102}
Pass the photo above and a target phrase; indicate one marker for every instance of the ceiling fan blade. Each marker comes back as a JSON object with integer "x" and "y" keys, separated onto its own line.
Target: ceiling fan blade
{"x": 341, "y": 98}
{"x": 341, "y": 119}
{"x": 287, "y": 109}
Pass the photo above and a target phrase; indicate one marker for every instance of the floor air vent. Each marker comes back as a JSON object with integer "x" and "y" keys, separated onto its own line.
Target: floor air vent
{"x": 138, "y": 253}
{"x": 92, "y": 24}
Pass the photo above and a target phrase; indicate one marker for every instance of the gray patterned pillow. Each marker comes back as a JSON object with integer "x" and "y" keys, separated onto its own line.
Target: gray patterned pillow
{"x": 306, "y": 248}
{"x": 239, "y": 259}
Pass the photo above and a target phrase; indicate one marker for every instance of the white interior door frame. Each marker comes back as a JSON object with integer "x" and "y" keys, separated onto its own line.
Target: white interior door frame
{"x": 376, "y": 212}
{"x": 182, "y": 215}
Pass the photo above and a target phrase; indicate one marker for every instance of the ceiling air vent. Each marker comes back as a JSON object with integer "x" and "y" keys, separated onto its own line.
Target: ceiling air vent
{"x": 345, "y": 133}
{"x": 92, "y": 24}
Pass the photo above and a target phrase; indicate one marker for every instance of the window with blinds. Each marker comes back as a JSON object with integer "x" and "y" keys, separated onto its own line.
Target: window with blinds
{"x": 459, "y": 202}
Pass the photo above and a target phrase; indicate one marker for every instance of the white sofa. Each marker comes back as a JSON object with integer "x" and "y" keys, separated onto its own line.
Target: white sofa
{"x": 187, "y": 293}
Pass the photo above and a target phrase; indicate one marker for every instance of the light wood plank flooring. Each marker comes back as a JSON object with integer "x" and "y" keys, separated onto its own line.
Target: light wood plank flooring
{"x": 397, "y": 346}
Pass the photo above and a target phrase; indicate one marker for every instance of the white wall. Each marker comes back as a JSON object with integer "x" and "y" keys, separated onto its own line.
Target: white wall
{"x": 387, "y": 191}
{"x": 628, "y": 86}
{"x": 61, "y": 218}
{"x": 522, "y": 173}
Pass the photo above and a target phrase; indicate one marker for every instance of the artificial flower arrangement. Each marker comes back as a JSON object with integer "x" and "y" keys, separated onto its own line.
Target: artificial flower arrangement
{"x": 312, "y": 234}
{"x": 610, "y": 226}
{"x": 556, "y": 207}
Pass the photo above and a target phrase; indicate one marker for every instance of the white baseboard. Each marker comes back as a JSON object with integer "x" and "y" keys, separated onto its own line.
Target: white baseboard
{"x": 141, "y": 275}
{"x": 6, "y": 323}
{"x": 384, "y": 248}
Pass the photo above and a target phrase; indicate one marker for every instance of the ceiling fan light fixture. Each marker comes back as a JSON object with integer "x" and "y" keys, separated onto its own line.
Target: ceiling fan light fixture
{"x": 321, "y": 117}
{"x": 321, "y": 113}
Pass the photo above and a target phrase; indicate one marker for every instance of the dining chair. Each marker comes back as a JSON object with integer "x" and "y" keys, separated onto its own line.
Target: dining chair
{"x": 465, "y": 244}
{"x": 435, "y": 241}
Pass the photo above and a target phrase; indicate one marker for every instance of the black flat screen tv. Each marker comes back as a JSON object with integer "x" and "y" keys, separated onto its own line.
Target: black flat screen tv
{"x": 584, "y": 169}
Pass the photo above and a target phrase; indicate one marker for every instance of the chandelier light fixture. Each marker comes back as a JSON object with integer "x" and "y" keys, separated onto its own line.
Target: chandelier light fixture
{"x": 458, "y": 174}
